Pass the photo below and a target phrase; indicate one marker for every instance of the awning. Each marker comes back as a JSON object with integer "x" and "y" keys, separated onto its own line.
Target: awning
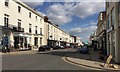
{"x": 22, "y": 34}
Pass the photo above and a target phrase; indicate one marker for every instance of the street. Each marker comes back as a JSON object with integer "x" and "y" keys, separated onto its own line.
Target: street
{"x": 50, "y": 60}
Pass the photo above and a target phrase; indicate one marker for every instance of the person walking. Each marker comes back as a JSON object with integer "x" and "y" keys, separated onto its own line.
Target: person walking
{"x": 101, "y": 54}
{"x": 8, "y": 50}
{"x": 3, "y": 49}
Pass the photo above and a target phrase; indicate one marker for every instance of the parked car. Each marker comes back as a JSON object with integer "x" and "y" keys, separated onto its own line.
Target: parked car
{"x": 44, "y": 47}
{"x": 56, "y": 47}
{"x": 84, "y": 49}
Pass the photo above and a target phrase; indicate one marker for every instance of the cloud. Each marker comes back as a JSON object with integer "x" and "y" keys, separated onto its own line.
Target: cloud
{"x": 60, "y": 14}
{"x": 92, "y": 22}
{"x": 85, "y": 9}
{"x": 42, "y": 13}
{"x": 63, "y": 13}
{"x": 83, "y": 32}
{"x": 33, "y": 3}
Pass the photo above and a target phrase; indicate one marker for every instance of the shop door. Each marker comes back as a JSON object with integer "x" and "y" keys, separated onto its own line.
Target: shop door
{"x": 35, "y": 41}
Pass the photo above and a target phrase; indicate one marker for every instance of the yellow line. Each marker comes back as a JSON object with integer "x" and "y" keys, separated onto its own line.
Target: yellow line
{"x": 63, "y": 58}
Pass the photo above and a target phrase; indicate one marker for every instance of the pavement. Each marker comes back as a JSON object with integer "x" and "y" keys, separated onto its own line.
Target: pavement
{"x": 19, "y": 52}
{"x": 93, "y": 62}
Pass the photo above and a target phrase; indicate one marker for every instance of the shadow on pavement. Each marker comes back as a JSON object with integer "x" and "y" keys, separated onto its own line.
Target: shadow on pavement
{"x": 92, "y": 56}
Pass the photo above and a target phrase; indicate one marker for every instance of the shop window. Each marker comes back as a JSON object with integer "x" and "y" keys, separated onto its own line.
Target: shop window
{"x": 30, "y": 40}
{"x": 40, "y": 40}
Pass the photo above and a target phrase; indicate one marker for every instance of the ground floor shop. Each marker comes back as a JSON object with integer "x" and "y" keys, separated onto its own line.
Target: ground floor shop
{"x": 113, "y": 44}
{"x": 101, "y": 42}
{"x": 59, "y": 43}
{"x": 19, "y": 40}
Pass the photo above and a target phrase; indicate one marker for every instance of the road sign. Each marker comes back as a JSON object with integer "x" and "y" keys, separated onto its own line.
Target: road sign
{"x": 86, "y": 43}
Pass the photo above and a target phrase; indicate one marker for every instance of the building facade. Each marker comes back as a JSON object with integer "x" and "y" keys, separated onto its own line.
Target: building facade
{"x": 24, "y": 28}
{"x": 113, "y": 29}
{"x": 57, "y": 36}
{"x": 21, "y": 25}
{"x": 101, "y": 32}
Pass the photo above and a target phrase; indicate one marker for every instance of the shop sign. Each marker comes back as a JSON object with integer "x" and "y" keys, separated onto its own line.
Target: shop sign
{"x": 108, "y": 60}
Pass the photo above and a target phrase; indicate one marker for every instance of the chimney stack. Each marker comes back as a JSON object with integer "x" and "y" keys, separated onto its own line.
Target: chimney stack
{"x": 45, "y": 18}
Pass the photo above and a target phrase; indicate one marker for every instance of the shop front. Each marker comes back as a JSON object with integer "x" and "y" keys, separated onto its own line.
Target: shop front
{"x": 20, "y": 40}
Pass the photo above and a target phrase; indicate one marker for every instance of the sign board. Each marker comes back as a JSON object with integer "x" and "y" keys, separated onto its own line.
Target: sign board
{"x": 109, "y": 59}
{"x": 86, "y": 43}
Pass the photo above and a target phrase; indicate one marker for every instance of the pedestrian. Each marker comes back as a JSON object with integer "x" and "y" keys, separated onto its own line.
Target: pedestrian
{"x": 8, "y": 50}
{"x": 3, "y": 49}
{"x": 101, "y": 54}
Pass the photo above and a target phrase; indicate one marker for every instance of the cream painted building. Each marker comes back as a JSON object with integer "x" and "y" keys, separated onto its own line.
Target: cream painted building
{"x": 57, "y": 36}
{"x": 22, "y": 26}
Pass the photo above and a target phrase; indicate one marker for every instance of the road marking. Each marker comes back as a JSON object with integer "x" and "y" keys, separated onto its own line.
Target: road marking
{"x": 63, "y": 58}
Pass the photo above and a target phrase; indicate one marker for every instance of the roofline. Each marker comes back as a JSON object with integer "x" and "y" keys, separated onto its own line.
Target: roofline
{"x": 27, "y": 7}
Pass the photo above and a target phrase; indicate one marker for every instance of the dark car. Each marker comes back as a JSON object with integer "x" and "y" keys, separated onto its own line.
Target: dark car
{"x": 84, "y": 49}
{"x": 56, "y": 47}
{"x": 44, "y": 47}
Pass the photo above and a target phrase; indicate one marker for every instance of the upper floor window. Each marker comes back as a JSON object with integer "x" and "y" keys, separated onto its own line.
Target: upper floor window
{"x": 112, "y": 17}
{"x": 29, "y": 14}
{"x": 36, "y": 18}
{"x": 19, "y": 8}
{"x": 6, "y": 2}
{"x": 40, "y": 40}
{"x": 108, "y": 4}
{"x": 6, "y": 20}
{"x": 51, "y": 28}
{"x": 48, "y": 27}
{"x": 108, "y": 22}
{"x": 41, "y": 31}
{"x": 35, "y": 29}
{"x": 30, "y": 28}
{"x": 40, "y": 20}
{"x": 19, "y": 24}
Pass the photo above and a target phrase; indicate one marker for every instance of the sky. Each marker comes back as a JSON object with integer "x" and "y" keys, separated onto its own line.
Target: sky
{"x": 76, "y": 18}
